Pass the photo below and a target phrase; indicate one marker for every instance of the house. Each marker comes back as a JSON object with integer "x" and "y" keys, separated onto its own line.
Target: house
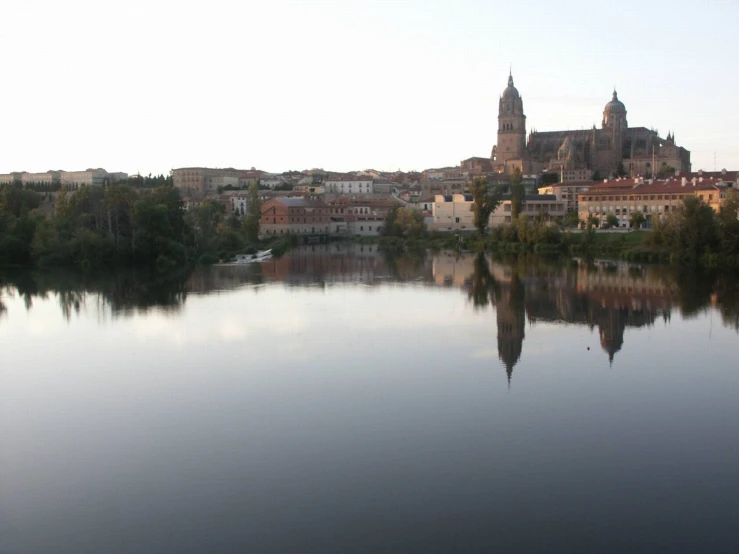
{"x": 453, "y": 212}
{"x": 534, "y": 205}
{"x": 300, "y": 216}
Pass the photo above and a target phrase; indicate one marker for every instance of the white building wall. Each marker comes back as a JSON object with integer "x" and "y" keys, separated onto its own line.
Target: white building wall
{"x": 349, "y": 186}
{"x": 453, "y": 216}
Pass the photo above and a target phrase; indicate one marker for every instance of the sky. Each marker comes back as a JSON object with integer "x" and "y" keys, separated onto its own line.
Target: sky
{"x": 278, "y": 85}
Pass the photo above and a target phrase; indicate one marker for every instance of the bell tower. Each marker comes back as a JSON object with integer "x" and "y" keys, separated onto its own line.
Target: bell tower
{"x": 511, "y": 125}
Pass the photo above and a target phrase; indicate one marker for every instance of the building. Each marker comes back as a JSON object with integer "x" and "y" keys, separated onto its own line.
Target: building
{"x": 476, "y": 166}
{"x": 348, "y": 184}
{"x": 46, "y": 178}
{"x": 453, "y": 212}
{"x": 363, "y": 216}
{"x": 535, "y": 205}
{"x": 652, "y": 198}
{"x": 237, "y": 204}
{"x": 567, "y": 192}
{"x": 201, "y": 181}
{"x": 300, "y": 216}
{"x": 271, "y": 181}
{"x": 73, "y": 180}
{"x": 615, "y": 145}
{"x": 69, "y": 180}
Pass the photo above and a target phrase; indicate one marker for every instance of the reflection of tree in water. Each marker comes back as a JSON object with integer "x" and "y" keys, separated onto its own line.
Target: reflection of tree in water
{"x": 407, "y": 265}
{"x": 483, "y": 289}
{"x": 727, "y": 297}
{"x": 122, "y": 291}
{"x": 695, "y": 288}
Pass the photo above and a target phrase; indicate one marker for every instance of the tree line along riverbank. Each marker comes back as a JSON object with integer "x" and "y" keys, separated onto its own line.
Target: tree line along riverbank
{"x": 122, "y": 226}
{"x": 692, "y": 235}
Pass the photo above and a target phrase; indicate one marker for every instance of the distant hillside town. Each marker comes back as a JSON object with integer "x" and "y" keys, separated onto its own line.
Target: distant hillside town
{"x": 613, "y": 171}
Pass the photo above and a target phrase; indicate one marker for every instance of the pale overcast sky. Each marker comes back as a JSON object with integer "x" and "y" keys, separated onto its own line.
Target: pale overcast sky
{"x": 150, "y": 86}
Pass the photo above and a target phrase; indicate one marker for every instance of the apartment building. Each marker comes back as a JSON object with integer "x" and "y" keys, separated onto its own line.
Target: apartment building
{"x": 348, "y": 184}
{"x": 652, "y": 199}
{"x": 535, "y": 205}
{"x": 364, "y": 217}
{"x": 300, "y": 216}
{"x": 567, "y": 192}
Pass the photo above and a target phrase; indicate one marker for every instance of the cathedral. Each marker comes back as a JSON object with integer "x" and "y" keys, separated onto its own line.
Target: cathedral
{"x": 576, "y": 155}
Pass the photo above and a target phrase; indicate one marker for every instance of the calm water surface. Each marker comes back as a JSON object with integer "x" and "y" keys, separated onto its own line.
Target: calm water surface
{"x": 339, "y": 400}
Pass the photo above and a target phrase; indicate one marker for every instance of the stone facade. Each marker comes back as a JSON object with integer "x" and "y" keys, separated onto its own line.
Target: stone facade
{"x": 640, "y": 150}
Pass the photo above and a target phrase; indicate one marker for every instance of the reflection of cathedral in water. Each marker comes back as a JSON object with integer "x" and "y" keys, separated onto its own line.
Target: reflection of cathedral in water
{"x": 607, "y": 295}
{"x": 511, "y": 321}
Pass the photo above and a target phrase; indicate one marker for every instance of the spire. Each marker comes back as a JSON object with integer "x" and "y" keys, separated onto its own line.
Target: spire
{"x": 615, "y": 96}
{"x": 510, "y": 75}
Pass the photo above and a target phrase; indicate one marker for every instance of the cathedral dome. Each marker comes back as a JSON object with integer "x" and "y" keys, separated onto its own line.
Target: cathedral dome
{"x": 510, "y": 92}
{"x": 615, "y": 105}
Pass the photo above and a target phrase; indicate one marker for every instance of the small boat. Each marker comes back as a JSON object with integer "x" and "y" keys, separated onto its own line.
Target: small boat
{"x": 251, "y": 258}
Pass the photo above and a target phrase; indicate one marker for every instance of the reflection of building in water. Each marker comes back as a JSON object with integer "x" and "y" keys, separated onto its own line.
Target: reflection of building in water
{"x": 511, "y": 321}
{"x": 607, "y": 295}
{"x": 451, "y": 268}
{"x": 316, "y": 265}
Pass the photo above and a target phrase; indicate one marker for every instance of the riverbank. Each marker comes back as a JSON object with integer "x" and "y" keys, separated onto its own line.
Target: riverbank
{"x": 635, "y": 246}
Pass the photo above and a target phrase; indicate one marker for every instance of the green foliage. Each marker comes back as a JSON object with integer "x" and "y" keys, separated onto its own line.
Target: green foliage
{"x": 596, "y": 176}
{"x": 484, "y": 203}
{"x": 518, "y": 193}
{"x": 611, "y": 221}
{"x": 665, "y": 171}
{"x": 620, "y": 170}
{"x": 636, "y": 220}
{"x": 572, "y": 219}
{"x": 115, "y": 226}
{"x": 405, "y": 223}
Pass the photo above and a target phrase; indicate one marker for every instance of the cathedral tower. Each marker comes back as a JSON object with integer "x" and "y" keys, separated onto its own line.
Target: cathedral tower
{"x": 615, "y": 125}
{"x": 511, "y": 126}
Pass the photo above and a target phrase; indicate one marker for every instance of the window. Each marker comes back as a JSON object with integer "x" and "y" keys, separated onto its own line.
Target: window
{"x": 361, "y": 228}
{"x": 456, "y": 219}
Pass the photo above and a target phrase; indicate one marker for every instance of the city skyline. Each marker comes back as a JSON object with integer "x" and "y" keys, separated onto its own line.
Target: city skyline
{"x": 290, "y": 86}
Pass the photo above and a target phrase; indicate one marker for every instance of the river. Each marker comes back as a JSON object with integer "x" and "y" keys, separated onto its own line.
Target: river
{"x": 342, "y": 400}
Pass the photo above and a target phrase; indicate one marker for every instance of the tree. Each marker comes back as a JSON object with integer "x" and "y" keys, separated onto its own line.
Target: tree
{"x": 665, "y": 171}
{"x": 253, "y": 213}
{"x": 572, "y": 219}
{"x": 484, "y": 289}
{"x": 404, "y": 222}
{"x": 728, "y": 223}
{"x": 596, "y": 176}
{"x": 620, "y": 170}
{"x": 636, "y": 220}
{"x": 518, "y": 193}
{"x": 611, "y": 221}
{"x": 483, "y": 203}
{"x": 698, "y": 233}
